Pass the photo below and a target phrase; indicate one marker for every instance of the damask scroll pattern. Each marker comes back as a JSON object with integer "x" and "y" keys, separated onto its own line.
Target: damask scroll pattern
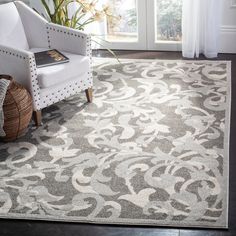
{"x": 149, "y": 150}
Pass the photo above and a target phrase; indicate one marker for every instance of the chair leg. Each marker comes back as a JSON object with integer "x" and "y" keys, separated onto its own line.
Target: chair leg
{"x": 37, "y": 115}
{"x": 89, "y": 94}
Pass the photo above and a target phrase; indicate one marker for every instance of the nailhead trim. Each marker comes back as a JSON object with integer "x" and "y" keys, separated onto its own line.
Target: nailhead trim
{"x": 68, "y": 32}
{"x": 13, "y": 54}
{"x": 66, "y": 92}
{"x": 33, "y": 72}
{"x": 35, "y": 85}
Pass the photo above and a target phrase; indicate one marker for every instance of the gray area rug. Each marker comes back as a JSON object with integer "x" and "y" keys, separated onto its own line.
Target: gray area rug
{"x": 152, "y": 149}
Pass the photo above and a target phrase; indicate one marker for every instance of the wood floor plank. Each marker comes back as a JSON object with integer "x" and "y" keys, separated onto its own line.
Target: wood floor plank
{"x": 200, "y": 233}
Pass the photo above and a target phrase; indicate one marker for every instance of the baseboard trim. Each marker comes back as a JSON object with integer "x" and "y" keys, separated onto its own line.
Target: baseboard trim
{"x": 228, "y": 39}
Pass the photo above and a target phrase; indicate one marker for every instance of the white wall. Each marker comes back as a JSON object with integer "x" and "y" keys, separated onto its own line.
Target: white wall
{"x": 228, "y": 27}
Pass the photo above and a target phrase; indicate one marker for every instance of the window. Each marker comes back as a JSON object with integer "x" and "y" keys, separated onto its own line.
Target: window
{"x": 125, "y": 27}
{"x": 168, "y": 20}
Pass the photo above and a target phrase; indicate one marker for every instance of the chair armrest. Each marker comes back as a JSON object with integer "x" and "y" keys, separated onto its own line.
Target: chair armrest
{"x": 20, "y": 64}
{"x": 70, "y": 40}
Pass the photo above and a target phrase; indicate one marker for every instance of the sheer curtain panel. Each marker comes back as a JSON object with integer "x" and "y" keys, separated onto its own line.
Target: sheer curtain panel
{"x": 201, "y": 27}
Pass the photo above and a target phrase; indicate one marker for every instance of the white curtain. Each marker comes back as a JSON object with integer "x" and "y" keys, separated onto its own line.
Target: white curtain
{"x": 201, "y": 27}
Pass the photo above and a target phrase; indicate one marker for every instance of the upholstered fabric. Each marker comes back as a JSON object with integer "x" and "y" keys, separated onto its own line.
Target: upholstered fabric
{"x": 61, "y": 91}
{"x": 57, "y": 74}
{"x": 59, "y": 37}
{"x": 11, "y": 29}
{"x": 20, "y": 63}
{"x": 34, "y": 29}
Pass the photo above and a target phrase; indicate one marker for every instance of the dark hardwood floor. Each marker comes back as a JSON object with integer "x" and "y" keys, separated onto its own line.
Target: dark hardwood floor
{"x": 37, "y": 228}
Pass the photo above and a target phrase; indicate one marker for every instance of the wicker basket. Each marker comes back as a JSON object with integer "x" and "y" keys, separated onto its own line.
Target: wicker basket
{"x": 17, "y": 108}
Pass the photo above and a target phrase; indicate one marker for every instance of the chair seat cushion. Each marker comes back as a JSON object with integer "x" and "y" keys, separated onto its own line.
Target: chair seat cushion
{"x": 53, "y": 75}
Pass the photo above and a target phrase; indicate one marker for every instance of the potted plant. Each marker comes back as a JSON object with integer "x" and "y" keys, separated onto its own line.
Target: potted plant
{"x": 86, "y": 12}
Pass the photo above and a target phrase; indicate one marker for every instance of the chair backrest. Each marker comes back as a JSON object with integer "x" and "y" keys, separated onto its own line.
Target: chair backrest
{"x": 12, "y": 32}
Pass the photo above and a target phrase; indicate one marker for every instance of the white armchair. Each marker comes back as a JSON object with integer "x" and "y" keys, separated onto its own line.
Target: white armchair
{"x": 23, "y": 32}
